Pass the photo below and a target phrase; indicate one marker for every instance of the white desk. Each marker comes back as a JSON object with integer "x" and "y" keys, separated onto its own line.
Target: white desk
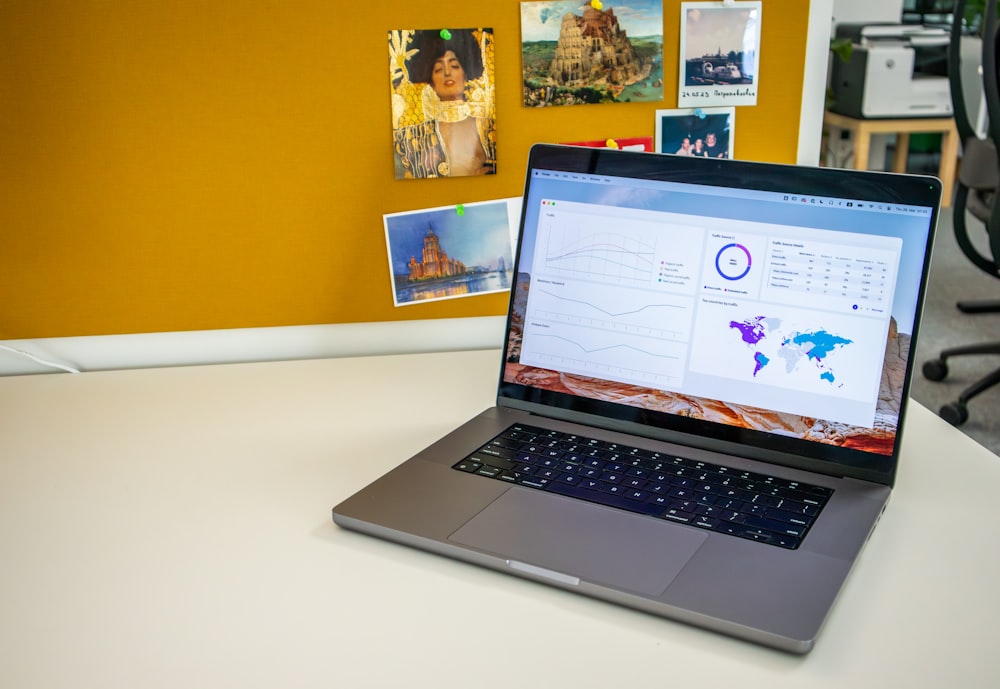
{"x": 171, "y": 528}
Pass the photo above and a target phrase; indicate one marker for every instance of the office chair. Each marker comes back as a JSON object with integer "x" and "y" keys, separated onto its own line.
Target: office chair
{"x": 976, "y": 192}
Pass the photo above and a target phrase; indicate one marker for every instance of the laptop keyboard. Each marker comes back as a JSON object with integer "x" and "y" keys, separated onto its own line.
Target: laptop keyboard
{"x": 707, "y": 496}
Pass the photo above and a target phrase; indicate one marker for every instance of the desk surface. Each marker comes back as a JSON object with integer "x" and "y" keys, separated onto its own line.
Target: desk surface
{"x": 171, "y": 528}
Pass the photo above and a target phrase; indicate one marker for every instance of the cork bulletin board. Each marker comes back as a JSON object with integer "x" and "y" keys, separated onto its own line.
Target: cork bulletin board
{"x": 174, "y": 165}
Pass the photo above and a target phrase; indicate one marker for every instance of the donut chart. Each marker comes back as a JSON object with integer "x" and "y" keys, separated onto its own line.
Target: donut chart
{"x": 733, "y": 261}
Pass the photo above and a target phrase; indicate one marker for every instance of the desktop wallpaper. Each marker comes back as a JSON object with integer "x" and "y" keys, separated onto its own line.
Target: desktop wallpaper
{"x": 880, "y": 439}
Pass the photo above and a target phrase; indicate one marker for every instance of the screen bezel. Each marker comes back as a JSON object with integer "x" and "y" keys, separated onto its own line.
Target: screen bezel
{"x": 914, "y": 190}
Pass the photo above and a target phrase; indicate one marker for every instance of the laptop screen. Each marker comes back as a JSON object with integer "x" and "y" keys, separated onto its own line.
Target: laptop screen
{"x": 768, "y": 306}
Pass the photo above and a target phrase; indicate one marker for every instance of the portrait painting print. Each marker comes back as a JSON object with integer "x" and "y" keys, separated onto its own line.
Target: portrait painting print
{"x": 703, "y": 133}
{"x": 452, "y": 251}
{"x": 443, "y": 106}
{"x": 577, "y": 52}
{"x": 720, "y": 54}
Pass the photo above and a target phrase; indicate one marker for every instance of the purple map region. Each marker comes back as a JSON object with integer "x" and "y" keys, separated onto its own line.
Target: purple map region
{"x": 763, "y": 332}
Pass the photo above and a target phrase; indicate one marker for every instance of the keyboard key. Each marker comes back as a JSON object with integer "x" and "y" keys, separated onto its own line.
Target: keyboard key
{"x": 676, "y": 515}
{"x": 497, "y": 462}
{"x": 533, "y": 481}
{"x": 705, "y": 522}
{"x": 789, "y": 518}
{"x": 750, "y": 508}
{"x": 775, "y": 526}
{"x": 707, "y": 510}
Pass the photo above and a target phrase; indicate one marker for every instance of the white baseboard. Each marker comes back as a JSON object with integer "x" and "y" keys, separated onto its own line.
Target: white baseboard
{"x": 108, "y": 352}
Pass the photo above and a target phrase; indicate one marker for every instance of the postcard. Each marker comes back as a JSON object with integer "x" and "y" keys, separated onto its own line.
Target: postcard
{"x": 452, "y": 251}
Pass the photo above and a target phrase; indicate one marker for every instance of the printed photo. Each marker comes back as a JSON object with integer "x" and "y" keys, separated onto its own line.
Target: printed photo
{"x": 443, "y": 108}
{"x": 720, "y": 53}
{"x": 453, "y": 251}
{"x": 702, "y": 132}
{"x": 577, "y": 53}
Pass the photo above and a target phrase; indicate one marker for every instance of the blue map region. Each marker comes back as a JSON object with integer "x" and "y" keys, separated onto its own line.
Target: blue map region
{"x": 765, "y": 337}
{"x": 762, "y": 361}
{"x": 819, "y": 344}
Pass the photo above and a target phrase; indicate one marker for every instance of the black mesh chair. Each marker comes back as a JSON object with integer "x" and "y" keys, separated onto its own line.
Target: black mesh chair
{"x": 976, "y": 193}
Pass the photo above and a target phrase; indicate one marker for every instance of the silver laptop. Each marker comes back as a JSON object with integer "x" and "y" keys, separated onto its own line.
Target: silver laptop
{"x": 701, "y": 393}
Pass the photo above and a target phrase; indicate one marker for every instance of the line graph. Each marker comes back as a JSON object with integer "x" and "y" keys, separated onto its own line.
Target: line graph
{"x": 627, "y": 256}
{"x": 607, "y": 348}
{"x": 618, "y": 333}
{"x": 629, "y": 312}
{"x": 648, "y": 362}
{"x": 613, "y": 314}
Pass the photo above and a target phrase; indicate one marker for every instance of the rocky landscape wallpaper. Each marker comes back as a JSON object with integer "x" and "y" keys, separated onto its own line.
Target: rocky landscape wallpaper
{"x": 878, "y": 440}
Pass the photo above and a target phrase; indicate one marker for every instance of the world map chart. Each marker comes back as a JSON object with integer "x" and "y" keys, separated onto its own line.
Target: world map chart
{"x": 765, "y": 337}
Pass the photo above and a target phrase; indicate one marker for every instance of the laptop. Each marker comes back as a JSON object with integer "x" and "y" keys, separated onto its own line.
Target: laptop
{"x": 701, "y": 393}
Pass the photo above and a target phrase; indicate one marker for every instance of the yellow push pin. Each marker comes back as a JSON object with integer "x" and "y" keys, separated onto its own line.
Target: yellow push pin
{"x": 597, "y": 4}
{"x": 611, "y": 143}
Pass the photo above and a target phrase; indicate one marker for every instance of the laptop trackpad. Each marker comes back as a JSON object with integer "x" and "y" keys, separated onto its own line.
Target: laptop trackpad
{"x": 596, "y": 544}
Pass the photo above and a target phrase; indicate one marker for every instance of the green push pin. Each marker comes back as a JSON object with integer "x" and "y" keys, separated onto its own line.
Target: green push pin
{"x": 445, "y": 34}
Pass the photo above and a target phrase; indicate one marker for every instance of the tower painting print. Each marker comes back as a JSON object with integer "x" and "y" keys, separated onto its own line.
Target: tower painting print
{"x": 576, "y": 53}
{"x": 443, "y": 108}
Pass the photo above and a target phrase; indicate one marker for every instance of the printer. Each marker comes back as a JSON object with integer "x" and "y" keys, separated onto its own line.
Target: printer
{"x": 895, "y": 70}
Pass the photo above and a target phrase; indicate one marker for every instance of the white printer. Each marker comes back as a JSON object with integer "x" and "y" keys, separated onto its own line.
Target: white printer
{"x": 895, "y": 70}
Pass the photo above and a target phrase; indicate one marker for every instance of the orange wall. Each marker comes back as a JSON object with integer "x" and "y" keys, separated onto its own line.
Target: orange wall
{"x": 203, "y": 164}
